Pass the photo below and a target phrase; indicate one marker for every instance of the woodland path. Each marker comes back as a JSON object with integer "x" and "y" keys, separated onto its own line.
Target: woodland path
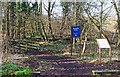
{"x": 62, "y": 65}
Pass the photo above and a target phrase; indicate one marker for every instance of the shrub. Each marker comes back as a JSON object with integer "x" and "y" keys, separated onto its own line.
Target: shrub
{"x": 14, "y": 69}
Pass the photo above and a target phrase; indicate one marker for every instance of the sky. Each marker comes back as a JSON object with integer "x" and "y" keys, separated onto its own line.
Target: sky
{"x": 57, "y": 11}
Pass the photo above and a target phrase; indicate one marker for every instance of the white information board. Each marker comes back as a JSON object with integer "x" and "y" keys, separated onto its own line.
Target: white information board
{"x": 103, "y": 43}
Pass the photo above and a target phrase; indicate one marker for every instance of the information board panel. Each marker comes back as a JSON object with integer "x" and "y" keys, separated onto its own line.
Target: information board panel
{"x": 103, "y": 43}
{"x": 75, "y": 31}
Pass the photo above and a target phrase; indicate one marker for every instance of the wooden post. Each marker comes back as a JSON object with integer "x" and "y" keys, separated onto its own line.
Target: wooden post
{"x": 99, "y": 52}
{"x": 80, "y": 46}
{"x": 71, "y": 45}
{"x": 110, "y": 54}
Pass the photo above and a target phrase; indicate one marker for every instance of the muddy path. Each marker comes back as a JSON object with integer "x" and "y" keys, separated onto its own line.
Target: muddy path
{"x": 62, "y": 65}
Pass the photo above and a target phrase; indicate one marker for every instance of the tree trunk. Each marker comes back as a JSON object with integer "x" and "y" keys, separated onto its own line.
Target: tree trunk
{"x": 5, "y": 34}
{"x": 118, "y": 20}
{"x": 50, "y": 9}
{"x": 24, "y": 26}
{"x": 101, "y": 18}
{"x": 63, "y": 23}
{"x": 49, "y": 19}
{"x": 1, "y": 39}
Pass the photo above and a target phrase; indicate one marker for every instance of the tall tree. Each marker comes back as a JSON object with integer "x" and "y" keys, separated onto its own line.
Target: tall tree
{"x": 49, "y": 10}
{"x": 5, "y": 32}
{"x": 96, "y": 16}
{"x": 1, "y": 39}
{"x": 118, "y": 19}
{"x": 12, "y": 19}
{"x": 66, "y": 10}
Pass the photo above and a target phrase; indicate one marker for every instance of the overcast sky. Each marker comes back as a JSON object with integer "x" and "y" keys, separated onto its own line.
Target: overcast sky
{"x": 57, "y": 11}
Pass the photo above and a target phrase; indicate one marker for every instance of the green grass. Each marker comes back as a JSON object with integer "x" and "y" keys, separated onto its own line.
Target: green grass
{"x": 50, "y": 46}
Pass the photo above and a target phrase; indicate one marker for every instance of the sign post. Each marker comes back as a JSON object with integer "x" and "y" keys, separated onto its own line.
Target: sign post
{"x": 75, "y": 33}
{"x": 103, "y": 44}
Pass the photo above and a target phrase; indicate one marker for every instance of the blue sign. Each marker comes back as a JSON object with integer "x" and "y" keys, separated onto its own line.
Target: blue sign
{"x": 75, "y": 31}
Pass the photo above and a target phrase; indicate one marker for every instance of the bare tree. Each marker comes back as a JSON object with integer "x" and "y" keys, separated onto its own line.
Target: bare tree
{"x": 49, "y": 10}
{"x": 102, "y": 15}
{"x": 66, "y": 10}
{"x": 118, "y": 19}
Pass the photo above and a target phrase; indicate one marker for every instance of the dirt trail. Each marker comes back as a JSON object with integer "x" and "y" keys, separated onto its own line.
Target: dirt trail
{"x": 68, "y": 66}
